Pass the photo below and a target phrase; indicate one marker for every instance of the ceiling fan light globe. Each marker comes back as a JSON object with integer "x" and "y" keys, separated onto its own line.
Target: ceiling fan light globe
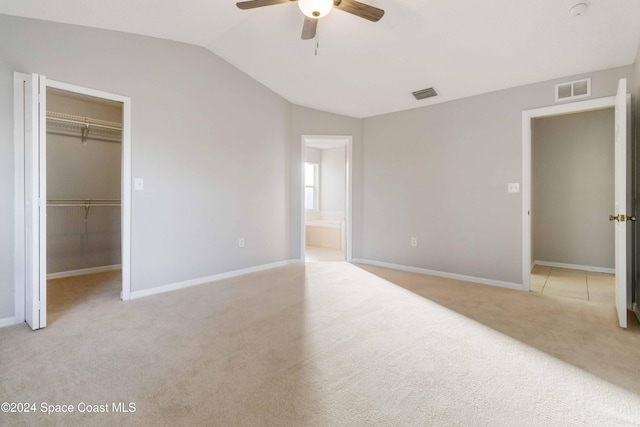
{"x": 315, "y": 8}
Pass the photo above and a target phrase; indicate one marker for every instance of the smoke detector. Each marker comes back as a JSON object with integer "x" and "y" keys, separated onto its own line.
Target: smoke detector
{"x": 579, "y": 8}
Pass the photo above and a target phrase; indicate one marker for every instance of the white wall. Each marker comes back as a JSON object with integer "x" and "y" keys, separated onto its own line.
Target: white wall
{"x": 332, "y": 180}
{"x": 313, "y": 155}
{"x": 440, "y": 173}
{"x": 572, "y": 175}
{"x": 211, "y": 143}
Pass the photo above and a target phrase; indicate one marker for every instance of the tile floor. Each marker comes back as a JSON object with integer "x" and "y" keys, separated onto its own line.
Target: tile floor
{"x": 315, "y": 253}
{"x": 584, "y": 285}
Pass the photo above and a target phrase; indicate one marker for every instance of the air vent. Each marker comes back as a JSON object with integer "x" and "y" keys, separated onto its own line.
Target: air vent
{"x": 573, "y": 90}
{"x": 425, "y": 93}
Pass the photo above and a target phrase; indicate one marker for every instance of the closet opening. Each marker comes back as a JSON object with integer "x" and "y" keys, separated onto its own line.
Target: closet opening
{"x": 83, "y": 196}
{"x": 573, "y": 242}
{"x": 577, "y": 192}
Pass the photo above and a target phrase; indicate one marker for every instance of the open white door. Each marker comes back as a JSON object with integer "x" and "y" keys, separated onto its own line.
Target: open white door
{"x": 35, "y": 202}
{"x": 620, "y": 200}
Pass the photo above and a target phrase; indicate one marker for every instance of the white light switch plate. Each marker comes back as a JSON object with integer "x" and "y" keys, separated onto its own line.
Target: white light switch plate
{"x": 138, "y": 184}
{"x": 513, "y": 187}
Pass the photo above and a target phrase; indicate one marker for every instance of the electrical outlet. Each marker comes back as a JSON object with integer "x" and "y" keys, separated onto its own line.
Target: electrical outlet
{"x": 414, "y": 241}
{"x": 241, "y": 242}
{"x": 513, "y": 187}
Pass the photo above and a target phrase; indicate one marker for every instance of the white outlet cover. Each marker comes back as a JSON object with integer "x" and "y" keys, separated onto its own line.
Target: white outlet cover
{"x": 513, "y": 187}
{"x": 138, "y": 184}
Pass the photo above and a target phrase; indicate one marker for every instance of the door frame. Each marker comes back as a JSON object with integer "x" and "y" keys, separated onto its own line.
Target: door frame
{"x": 527, "y": 117}
{"x": 348, "y": 141}
{"x": 20, "y": 257}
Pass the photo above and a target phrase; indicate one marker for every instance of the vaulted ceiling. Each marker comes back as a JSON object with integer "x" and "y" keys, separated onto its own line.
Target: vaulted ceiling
{"x": 462, "y": 47}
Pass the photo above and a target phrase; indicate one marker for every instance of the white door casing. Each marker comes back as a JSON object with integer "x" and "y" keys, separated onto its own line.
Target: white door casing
{"x": 35, "y": 207}
{"x": 348, "y": 143}
{"x": 619, "y": 102}
{"x": 620, "y": 201}
{"x": 30, "y": 200}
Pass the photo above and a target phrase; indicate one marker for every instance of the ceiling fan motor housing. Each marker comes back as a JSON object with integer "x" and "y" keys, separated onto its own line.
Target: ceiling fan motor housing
{"x": 315, "y": 8}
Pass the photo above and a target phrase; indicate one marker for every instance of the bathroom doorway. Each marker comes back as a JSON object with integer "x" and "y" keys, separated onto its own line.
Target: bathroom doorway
{"x": 325, "y": 198}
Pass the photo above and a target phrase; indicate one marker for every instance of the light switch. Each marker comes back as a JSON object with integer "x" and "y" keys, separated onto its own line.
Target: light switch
{"x": 138, "y": 184}
{"x": 513, "y": 187}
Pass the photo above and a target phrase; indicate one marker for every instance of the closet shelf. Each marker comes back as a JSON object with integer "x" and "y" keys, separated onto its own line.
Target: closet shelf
{"x": 85, "y": 127}
{"x": 83, "y": 202}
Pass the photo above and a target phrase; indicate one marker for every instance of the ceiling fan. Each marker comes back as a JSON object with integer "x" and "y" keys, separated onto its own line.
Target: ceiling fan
{"x": 316, "y": 9}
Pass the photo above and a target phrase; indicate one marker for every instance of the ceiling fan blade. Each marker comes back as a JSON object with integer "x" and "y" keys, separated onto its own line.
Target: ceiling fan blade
{"x": 259, "y": 3}
{"x": 362, "y": 10}
{"x": 309, "y": 28}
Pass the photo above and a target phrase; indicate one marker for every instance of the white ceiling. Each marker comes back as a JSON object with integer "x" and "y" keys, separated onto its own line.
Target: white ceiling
{"x": 460, "y": 47}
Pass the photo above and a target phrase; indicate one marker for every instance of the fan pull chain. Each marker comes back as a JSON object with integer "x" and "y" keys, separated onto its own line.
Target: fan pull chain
{"x": 317, "y": 39}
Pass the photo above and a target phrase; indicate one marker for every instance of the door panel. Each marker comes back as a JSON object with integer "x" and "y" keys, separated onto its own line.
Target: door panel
{"x": 42, "y": 146}
{"x": 32, "y": 221}
{"x": 35, "y": 202}
{"x": 620, "y": 200}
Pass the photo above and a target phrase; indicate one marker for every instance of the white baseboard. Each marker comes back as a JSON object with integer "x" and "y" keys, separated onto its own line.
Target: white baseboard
{"x": 84, "y": 271}
{"x": 575, "y": 267}
{"x": 207, "y": 279}
{"x": 7, "y": 322}
{"x": 483, "y": 281}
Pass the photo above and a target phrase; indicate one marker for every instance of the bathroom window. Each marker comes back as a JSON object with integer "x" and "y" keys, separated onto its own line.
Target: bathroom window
{"x": 311, "y": 190}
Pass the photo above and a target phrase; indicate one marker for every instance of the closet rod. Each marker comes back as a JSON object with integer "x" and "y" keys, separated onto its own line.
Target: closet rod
{"x": 87, "y": 124}
{"x": 83, "y": 202}
{"x": 92, "y": 137}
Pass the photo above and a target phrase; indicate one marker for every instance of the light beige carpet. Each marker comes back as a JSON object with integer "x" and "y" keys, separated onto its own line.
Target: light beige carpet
{"x": 329, "y": 344}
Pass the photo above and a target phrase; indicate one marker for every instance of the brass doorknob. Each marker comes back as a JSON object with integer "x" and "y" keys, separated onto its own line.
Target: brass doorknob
{"x": 622, "y": 218}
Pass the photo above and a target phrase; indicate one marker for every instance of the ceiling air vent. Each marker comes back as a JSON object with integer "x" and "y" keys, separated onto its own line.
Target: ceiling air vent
{"x": 425, "y": 93}
{"x": 573, "y": 90}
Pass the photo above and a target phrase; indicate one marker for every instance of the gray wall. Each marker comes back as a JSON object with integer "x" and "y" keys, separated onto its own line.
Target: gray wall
{"x": 306, "y": 121}
{"x": 332, "y": 181}
{"x": 77, "y": 170}
{"x": 440, "y": 173}
{"x": 211, "y": 143}
{"x": 572, "y": 175}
